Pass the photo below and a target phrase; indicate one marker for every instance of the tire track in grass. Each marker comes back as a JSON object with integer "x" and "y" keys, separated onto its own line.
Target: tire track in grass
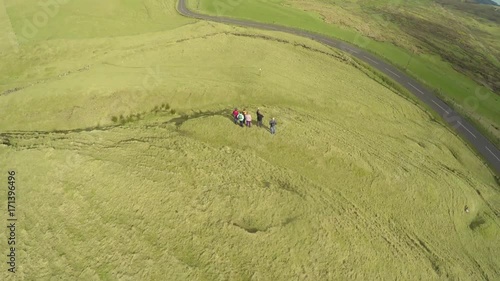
{"x": 412, "y": 248}
{"x": 350, "y": 216}
{"x": 348, "y": 213}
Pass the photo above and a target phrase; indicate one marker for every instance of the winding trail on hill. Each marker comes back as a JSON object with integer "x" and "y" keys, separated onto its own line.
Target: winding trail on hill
{"x": 465, "y": 129}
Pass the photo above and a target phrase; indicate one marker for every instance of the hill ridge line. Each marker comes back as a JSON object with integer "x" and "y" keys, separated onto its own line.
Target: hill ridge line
{"x": 468, "y": 132}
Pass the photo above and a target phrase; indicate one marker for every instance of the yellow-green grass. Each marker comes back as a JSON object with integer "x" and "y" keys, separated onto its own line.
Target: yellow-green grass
{"x": 70, "y": 19}
{"x": 7, "y": 35}
{"x": 367, "y": 25}
{"x": 358, "y": 183}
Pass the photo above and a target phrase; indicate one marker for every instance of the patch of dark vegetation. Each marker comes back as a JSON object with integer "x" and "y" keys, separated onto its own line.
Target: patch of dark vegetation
{"x": 434, "y": 120}
{"x": 248, "y": 229}
{"x": 38, "y": 134}
{"x": 455, "y": 155}
{"x": 265, "y": 37}
{"x": 131, "y": 140}
{"x": 435, "y": 267}
{"x": 164, "y": 107}
{"x": 497, "y": 180}
{"x": 471, "y": 7}
{"x": 477, "y": 222}
{"x": 431, "y": 257}
{"x": 6, "y": 141}
{"x": 198, "y": 37}
{"x": 87, "y": 67}
{"x": 450, "y": 45}
{"x": 11, "y": 91}
{"x": 451, "y": 170}
{"x": 200, "y": 114}
{"x": 289, "y": 220}
{"x": 286, "y": 185}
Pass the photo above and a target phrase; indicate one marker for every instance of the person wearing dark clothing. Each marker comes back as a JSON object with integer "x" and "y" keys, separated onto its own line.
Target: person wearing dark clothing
{"x": 259, "y": 118}
{"x": 272, "y": 126}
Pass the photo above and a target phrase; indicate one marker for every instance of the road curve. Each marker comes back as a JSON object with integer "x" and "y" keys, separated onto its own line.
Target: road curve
{"x": 466, "y": 130}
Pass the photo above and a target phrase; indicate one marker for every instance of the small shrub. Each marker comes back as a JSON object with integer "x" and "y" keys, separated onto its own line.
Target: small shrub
{"x": 167, "y": 106}
{"x": 172, "y": 111}
{"x": 121, "y": 117}
{"x": 114, "y": 119}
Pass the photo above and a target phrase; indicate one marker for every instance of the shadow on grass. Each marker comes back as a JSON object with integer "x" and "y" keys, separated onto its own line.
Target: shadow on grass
{"x": 179, "y": 121}
{"x": 477, "y": 222}
{"x": 253, "y": 229}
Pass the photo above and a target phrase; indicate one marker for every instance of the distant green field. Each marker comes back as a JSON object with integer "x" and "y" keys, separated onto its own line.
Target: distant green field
{"x": 367, "y": 25}
{"x": 358, "y": 183}
{"x": 71, "y": 20}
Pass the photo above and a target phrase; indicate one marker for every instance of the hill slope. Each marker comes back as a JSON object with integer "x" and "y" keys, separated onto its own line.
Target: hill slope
{"x": 359, "y": 182}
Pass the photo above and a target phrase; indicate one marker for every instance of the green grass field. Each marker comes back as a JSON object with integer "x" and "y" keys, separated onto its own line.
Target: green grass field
{"x": 416, "y": 36}
{"x": 358, "y": 183}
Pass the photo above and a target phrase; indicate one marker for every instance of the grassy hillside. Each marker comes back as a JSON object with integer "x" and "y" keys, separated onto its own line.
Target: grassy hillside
{"x": 359, "y": 182}
{"x": 92, "y": 18}
{"x": 452, "y": 50}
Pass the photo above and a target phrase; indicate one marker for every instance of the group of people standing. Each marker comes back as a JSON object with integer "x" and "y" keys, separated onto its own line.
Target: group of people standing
{"x": 245, "y": 118}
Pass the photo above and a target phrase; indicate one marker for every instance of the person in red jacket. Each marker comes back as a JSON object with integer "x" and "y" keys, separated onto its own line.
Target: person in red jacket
{"x": 235, "y": 115}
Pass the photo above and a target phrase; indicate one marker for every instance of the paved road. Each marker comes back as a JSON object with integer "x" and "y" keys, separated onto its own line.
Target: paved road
{"x": 459, "y": 124}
